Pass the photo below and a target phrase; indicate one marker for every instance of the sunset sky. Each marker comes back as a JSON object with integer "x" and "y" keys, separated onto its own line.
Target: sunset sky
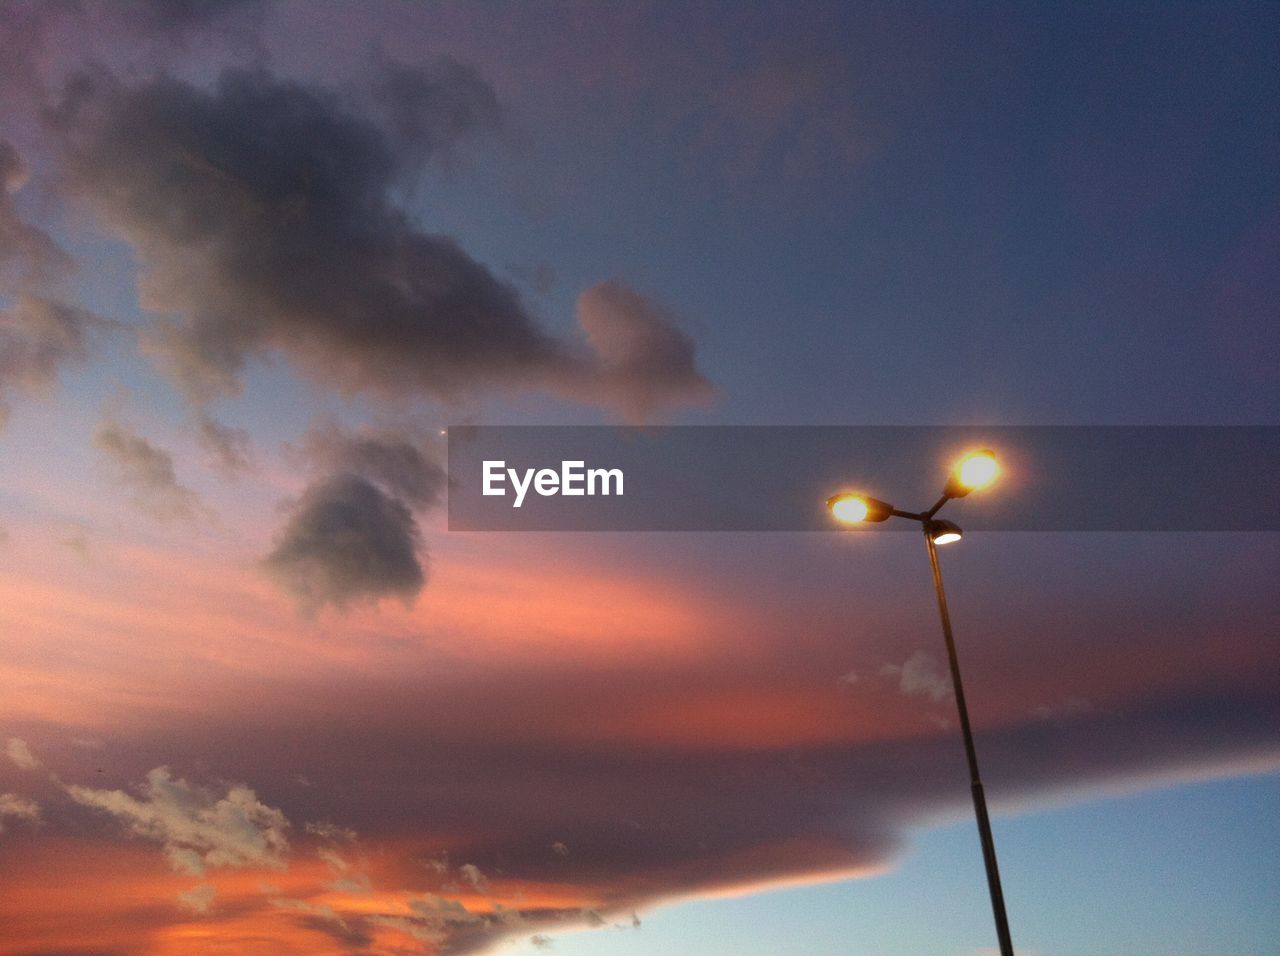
{"x": 257, "y": 258}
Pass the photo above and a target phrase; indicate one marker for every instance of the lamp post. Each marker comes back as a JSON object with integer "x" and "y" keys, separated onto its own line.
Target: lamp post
{"x": 974, "y": 471}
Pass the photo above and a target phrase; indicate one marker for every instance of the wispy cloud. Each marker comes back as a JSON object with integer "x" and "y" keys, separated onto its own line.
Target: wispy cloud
{"x": 198, "y": 899}
{"x": 14, "y": 807}
{"x": 18, "y": 751}
{"x": 148, "y": 472}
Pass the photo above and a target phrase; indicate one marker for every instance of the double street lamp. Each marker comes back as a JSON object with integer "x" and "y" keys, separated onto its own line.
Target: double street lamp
{"x": 974, "y": 471}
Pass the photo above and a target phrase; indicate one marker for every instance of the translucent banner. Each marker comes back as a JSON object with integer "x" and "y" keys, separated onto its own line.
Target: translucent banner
{"x": 779, "y": 478}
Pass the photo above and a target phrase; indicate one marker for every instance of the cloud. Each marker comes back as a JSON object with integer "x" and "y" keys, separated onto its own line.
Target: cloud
{"x": 325, "y": 919}
{"x": 429, "y": 107}
{"x": 645, "y": 363}
{"x": 198, "y": 899}
{"x": 326, "y": 830}
{"x": 229, "y": 447}
{"x": 15, "y": 807}
{"x": 347, "y": 540}
{"x": 18, "y": 751}
{"x": 38, "y": 337}
{"x": 148, "y": 472}
{"x": 471, "y": 873}
{"x": 197, "y": 828}
{"x": 260, "y": 214}
{"x": 387, "y": 458}
{"x": 920, "y": 676}
{"x": 28, "y": 257}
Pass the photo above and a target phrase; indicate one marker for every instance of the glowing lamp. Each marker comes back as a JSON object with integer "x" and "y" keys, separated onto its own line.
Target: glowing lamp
{"x": 976, "y": 470}
{"x": 851, "y": 508}
{"x": 944, "y": 532}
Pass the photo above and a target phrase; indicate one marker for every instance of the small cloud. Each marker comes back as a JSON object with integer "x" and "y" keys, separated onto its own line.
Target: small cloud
{"x": 542, "y": 942}
{"x": 357, "y": 883}
{"x": 334, "y": 859}
{"x": 198, "y": 899}
{"x": 920, "y": 676}
{"x": 471, "y": 873}
{"x": 849, "y": 679}
{"x": 330, "y": 831}
{"x": 18, "y": 751}
{"x": 438, "y": 864}
{"x": 229, "y": 447}
{"x": 559, "y": 849}
{"x": 347, "y": 540}
{"x": 15, "y": 807}
{"x": 197, "y": 828}
{"x": 148, "y": 472}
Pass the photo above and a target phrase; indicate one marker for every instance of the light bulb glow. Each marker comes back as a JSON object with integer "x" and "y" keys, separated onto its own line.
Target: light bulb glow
{"x": 977, "y": 470}
{"x": 849, "y": 509}
{"x": 946, "y": 537}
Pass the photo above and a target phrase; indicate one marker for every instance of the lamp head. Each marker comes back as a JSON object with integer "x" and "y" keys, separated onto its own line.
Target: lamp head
{"x": 851, "y": 508}
{"x": 943, "y": 532}
{"x": 975, "y": 470}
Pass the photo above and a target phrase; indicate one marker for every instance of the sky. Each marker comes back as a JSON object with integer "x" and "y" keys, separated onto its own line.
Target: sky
{"x": 258, "y": 258}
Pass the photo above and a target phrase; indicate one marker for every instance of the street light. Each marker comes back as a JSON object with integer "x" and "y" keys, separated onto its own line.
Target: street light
{"x": 974, "y": 471}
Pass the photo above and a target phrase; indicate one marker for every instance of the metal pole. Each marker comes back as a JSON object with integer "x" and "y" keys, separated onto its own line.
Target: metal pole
{"x": 979, "y": 800}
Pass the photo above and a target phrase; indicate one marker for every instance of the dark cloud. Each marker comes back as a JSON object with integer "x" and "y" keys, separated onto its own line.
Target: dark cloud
{"x": 260, "y": 213}
{"x": 28, "y": 257}
{"x": 148, "y": 472}
{"x": 388, "y": 458}
{"x": 346, "y": 540}
{"x": 38, "y": 337}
